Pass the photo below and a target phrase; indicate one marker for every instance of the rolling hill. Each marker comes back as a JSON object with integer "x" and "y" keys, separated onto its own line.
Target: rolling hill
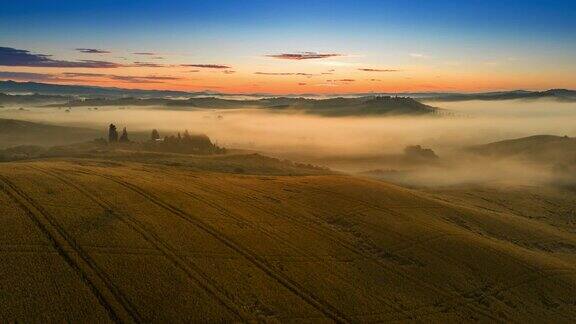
{"x": 556, "y": 94}
{"x": 33, "y": 99}
{"x": 540, "y": 148}
{"x": 332, "y": 107}
{"x": 19, "y": 132}
{"x": 117, "y": 241}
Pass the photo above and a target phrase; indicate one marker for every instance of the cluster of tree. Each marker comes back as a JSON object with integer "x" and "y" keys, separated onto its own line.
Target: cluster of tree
{"x": 113, "y": 135}
{"x": 180, "y": 143}
{"x": 183, "y": 143}
{"x": 418, "y": 152}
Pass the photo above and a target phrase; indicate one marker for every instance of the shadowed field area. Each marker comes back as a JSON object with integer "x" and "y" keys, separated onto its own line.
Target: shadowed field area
{"x": 125, "y": 241}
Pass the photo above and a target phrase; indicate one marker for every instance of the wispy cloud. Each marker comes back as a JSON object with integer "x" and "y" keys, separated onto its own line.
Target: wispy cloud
{"x": 336, "y": 82}
{"x": 92, "y": 51}
{"x": 417, "y": 55}
{"x": 378, "y": 70}
{"x": 144, "y": 53}
{"x": 285, "y": 73}
{"x": 74, "y": 74}
{"x": 147, "y": 64}
{"x": 86, "y": 77}
{"x": 16, "y": 57}
{"x": 142, "y": 79}
{"x": 341, "y": 80}
{"x": 207, "y": 66}
{"x": 303, "y": 56}
{"x": 228, "y": 72}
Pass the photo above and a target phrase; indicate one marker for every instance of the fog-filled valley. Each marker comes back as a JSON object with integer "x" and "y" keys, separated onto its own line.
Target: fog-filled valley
{"x": 348, "y": 143}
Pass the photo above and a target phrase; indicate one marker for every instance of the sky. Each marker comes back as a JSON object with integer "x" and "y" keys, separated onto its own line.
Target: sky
{"x": 292, "y": 47}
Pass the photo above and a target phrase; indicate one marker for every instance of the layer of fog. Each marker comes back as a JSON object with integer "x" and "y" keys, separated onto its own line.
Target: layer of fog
{"x": 349, "y": 144}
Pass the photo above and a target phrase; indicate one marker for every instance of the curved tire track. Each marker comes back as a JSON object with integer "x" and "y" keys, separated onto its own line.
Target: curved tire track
{"x": 192, "y": 272}
{"x": 114, "y": 302}
{"x": 322, "y": 306}
{"x": 325, "y": 232}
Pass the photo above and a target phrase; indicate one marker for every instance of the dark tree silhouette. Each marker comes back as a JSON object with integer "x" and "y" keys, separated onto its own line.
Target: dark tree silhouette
{"x": 417, "y": 151}
{"x": 185, "y": 143}
{"x": 155, "y": 135}
{"x": 124, "y": 137}
{"x": 112, "y": 134}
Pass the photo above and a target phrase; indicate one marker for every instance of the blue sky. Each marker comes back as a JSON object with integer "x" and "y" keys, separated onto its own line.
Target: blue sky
{"x": 537, "y": 38}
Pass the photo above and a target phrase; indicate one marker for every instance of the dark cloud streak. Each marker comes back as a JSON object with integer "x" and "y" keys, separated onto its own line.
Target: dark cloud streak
{"x": 207, "y": 66}
{"x": 26, "y": 76}
{"x": 147, "y": 64}
{"x": 303, "y": 56}
{"x": 285, "y": 73}
{"x": 16, "y": 57}
{"x": 92, "y": 51}
{"x": 87, "y": 77}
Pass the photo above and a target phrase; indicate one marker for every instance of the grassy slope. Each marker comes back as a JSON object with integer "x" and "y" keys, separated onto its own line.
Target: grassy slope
{"x": 97, "y": 240}
{"x": 537, "y": 147}
{"x": 18, "y": 132}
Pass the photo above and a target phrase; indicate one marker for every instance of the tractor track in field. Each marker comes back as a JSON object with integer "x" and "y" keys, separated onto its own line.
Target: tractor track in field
{"x": 370, "y": 256}
{"x": 469, "y": 298}
{"x": 327, "y": 233}
{"x": 354, "y": 249}
{"x": 230, "y": 214}
{"x": 192, "y": 272}
{"x": 478, "y": 296}
{"x": 322, "y": 306}
{"x": 312, "y": 257}
{"x": 446, "y": 302}
{"x": 114, "y": 302}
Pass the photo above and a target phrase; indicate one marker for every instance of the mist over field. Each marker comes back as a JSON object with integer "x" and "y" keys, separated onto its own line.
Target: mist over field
{"x": 351, "y": 144}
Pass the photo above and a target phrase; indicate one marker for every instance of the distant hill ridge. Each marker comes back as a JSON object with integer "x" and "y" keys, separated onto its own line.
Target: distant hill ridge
{"x": 375, "y": 105}
{"x": 557, "y": 94}
{"x": 340, "y": 106}
{"x": 542, "y": 148}
{"x": 94, "y": 91}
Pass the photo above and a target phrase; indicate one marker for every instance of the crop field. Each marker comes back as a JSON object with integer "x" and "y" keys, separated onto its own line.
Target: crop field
{"x": 104, "y": 241}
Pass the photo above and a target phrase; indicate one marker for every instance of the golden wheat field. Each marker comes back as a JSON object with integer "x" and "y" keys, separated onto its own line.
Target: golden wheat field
{"x": 128, "y": 242}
